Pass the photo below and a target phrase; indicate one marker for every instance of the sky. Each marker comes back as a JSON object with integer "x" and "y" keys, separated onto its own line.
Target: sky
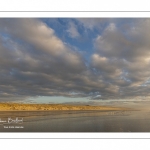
{"x": 74, "y": 59}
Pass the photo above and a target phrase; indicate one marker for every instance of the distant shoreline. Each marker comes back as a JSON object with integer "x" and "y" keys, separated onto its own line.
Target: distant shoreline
{"x": 53, "y": 107}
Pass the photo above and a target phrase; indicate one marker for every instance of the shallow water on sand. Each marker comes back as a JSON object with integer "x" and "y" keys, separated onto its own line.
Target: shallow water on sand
{"x": 76, "y": 121}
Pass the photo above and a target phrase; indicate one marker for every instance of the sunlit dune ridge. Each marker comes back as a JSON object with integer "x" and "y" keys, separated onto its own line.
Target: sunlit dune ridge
{"x": 44, "y": 107}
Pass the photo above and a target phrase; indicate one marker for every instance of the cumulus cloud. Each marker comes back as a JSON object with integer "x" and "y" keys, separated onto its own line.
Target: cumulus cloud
{"x": 126, "y": 54}
{"x": 34, "y": 61}
{"x": 32, "y": 56}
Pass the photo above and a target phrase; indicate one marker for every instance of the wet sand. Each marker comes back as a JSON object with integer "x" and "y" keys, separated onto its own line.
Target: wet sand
{"x": 76, "y": 121}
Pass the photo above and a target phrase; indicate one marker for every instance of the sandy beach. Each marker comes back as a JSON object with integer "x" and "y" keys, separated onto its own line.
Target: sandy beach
{"x": 47, "y": 107}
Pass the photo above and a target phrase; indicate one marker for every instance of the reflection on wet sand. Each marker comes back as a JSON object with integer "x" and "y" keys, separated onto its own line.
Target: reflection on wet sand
{"x": 79, "y": 121}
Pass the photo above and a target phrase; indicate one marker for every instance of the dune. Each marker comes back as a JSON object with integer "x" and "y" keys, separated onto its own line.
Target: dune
{"x": 52, "y": 107}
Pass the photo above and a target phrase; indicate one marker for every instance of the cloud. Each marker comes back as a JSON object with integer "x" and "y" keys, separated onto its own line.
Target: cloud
{"x": 32, "y": 56}
{"x": 123, "y": 56}
{"x": 34, "y": 61}
{"x": 72, "y": 30}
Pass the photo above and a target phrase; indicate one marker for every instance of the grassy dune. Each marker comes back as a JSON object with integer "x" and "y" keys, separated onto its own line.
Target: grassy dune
{"x": 47, "y": 107}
